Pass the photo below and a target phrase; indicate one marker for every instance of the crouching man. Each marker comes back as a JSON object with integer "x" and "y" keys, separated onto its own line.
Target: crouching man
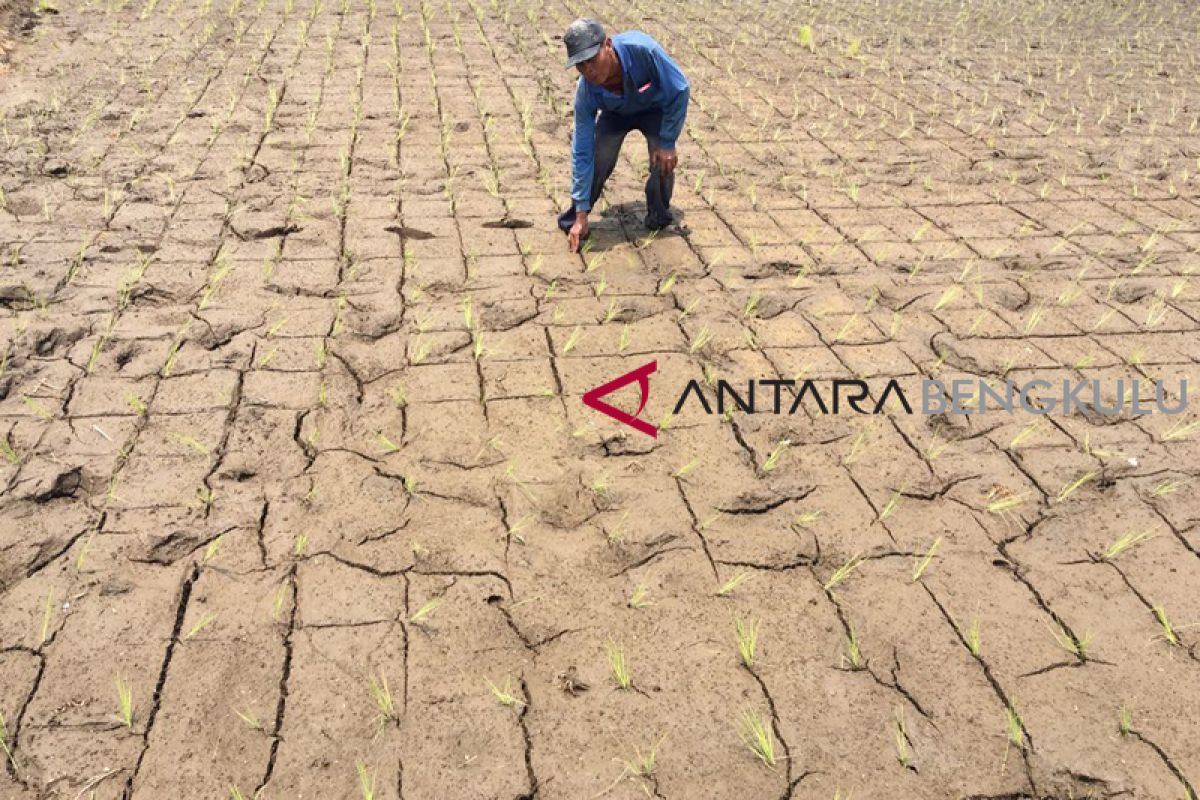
{"x": 627, "y": 82}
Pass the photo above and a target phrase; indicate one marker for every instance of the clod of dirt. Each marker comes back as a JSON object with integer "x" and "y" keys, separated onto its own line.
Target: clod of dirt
{"x": 409, "y": 233}
{"x": 1131, "y": 293}
{"x": 16, "y": 298}
{"x": 570, "y": 682}
{"x": 175, "y": 546}
{"x": 115, "y": 586}
{"x": 65, "y": 484}
{"x": 253, "y": 234}
{"x": 55, "y": 168}
{"x": 510, "y": 223}
{"x": 753, "y": 501}
{"x": 1010, "y": 297}
{"x": 569, "y": 507}
{"x": 56, "y": 338}
{"x": 622, "y": 445}
{"x": 772, "y": 306}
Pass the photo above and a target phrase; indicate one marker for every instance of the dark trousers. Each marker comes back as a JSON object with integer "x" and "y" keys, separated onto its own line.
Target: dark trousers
{"x": 610, "y": 134}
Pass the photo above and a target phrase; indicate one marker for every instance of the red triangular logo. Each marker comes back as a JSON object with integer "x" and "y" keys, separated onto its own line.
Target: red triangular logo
{"x": 642, "y": 376}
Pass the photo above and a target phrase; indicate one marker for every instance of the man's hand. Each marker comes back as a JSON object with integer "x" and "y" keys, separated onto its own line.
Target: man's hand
{"x": 578, "y": 232}
{"x": 664, "y": 160}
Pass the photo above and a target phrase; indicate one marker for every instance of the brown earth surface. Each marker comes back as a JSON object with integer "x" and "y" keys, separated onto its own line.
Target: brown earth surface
{"x": 299, "y": 497}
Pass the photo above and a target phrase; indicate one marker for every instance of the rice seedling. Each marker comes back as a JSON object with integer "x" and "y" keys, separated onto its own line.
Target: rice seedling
{"x": 773, "y": 458}
{"x": 1125, "y": 720}
{"x": 755, "y": 732}
{"x": 686, "y": 469}
{"x": 1125, "y": 542}
{"x": 638, "y": 598}
{"x": 853, "y": 655}
{"x": 618, "y": 665}
{"x": 643, "y": 763}
{"x": 210, "y": 552}
{"x": 747, "y": 640}
{"x": 804, "y": 37}
{"x": 125, "y": 700}
{"x": 504, "y": 696}
{"x": 891, "y": 505}
{"x": 948, "y": 296}
{"x": 703, "y": 338}
{"x": 1181, "y": 430}
{"x": 386, "y": 444}
{"x": 424, "y": 611}
{"x": 366, "y": 783}
{"x": 923, "y": 562}
{"x": 4, "y": 745}
{"x": 1076, "y": 646}
{"x": 1165, "y": 488}
{"x": 732, "y": 583}
{"x": 903, "y": 753}
{"x": 84, "y": 549}
{"x": 1168, "y": 630}
{"x": 205, "y": 620}
{"x": 841, "y": 573}
{"x": 1015, "y": 726}
{"x": 1075, "y": 485}
{"x": 807, "y": 519}
{"x": 572, "y": 340}
{"x": 973, "y": 637}
{"x": 47, "y": 617}
{"x": 381, "y": 696}
{"x": 858, "y": 446}
{"x": 248, "y": 716}
{"x": 1002, "y": 502}
{"x": 7, "y": 450}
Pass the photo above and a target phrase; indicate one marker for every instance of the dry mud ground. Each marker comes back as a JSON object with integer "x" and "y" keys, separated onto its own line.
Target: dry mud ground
{"x": 298, "y": 496}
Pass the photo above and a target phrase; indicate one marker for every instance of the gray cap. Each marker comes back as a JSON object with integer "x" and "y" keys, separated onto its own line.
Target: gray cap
{"x": 584, "y": 38}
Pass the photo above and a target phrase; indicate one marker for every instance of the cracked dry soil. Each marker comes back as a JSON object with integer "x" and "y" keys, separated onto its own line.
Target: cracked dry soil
{"x": 295, "y": 461}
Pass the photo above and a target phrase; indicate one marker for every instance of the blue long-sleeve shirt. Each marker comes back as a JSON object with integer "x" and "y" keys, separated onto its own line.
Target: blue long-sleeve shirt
{"x": 650, "y": 80}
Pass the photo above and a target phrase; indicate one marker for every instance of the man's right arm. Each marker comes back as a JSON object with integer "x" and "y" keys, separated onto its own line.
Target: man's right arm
{"x": 583, "y": 148}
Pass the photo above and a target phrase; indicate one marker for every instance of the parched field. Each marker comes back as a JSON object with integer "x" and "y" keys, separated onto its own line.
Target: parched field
{"x": 299, "y": 497}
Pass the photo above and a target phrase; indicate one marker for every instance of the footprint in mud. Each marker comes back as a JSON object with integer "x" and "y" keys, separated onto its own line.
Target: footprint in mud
{"x": 409, "y": 233}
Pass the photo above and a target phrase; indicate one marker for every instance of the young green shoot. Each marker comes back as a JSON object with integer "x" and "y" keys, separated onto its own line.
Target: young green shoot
{"x": 755, "y": 732}
{"x": 1125, "y": 542}
{"x": 903, "y": 754}
{"x": 734, "y": 582}
{"x": 424, "y": 611}
{"x": 923, "y": 562}
{"x": 1160, "y": 614}
{"x": 747, "y": 640}
{"x": 773, "y": 459}
{"x": 381, "y": 695}
{"x": 248, "y": 716}
{"x": 638, "y": 598}
{"x": 853, "y": 654}
{"x": 125, "y": 699}
{"x": 366, "y": 783}
{"x": 504, "y": 696}
{"x": 4, "y": 743}
{"x": 1125, "y": 720}
{"x": 843, "y": 572}
{"x": 973, "y": 637}
{"x": 1076, "y": 646}
{"x": 618, "y": 665}
{"x": 1016, "y": 727}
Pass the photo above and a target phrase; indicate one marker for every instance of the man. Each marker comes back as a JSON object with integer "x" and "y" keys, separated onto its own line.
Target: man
{"x": 626, "y": 82}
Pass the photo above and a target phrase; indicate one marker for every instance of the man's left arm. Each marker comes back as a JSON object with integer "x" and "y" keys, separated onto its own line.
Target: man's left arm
{"x": 675, "y": 92}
